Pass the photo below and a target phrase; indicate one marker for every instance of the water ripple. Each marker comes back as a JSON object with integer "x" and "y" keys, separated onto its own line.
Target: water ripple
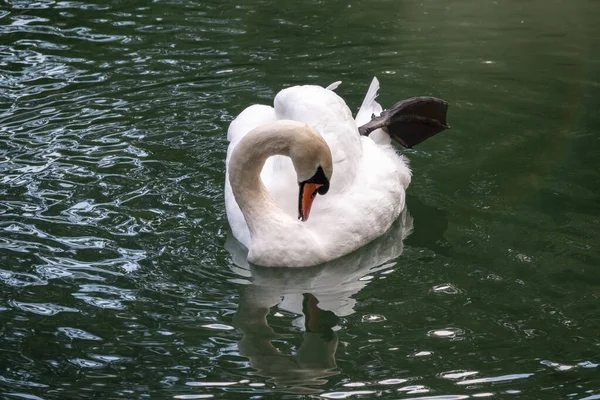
{"x": 42, "y": 308}
{"x": 75, "y": 333}
{"x": 114, "y": 277}
{"x": 494, "y": 379}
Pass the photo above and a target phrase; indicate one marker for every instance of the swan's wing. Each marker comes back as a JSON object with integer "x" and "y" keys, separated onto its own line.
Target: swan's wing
{"x": 369, "y": 106}
{"x": 328, "y": 114}
{"x": 252, "y": 117}
{"x": 370, "y": 109}
{"x": 345, "y": 221}
{"x": 411, "y": 121}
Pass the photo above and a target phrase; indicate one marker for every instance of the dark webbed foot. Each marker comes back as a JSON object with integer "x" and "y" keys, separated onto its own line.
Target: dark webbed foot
{"x": 411, "y": 121}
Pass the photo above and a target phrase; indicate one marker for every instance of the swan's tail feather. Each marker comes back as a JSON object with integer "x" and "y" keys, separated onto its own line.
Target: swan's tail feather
{"x": 334, "y": 85}
{"x": 369, "y": 105}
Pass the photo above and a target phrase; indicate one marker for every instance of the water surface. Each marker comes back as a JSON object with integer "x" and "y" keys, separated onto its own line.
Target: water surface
{"x": 116, "y": 277}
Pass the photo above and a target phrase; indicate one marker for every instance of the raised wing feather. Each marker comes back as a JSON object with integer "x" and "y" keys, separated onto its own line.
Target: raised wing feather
{"x": 328, "y": 114}
{"x": 369, "y": 105}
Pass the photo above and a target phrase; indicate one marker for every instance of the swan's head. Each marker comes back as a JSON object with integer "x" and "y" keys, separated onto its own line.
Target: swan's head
{"x": 314, "y": 166}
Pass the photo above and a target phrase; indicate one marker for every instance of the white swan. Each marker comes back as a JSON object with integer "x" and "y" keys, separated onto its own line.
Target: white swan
{"x": 317, "y": 149}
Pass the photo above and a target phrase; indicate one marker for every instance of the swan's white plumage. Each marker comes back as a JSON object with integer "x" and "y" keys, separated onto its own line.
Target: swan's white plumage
{"x": 367, "y": 187}
{"x": 370, "y": 107}
{"x": 334, "y": 85}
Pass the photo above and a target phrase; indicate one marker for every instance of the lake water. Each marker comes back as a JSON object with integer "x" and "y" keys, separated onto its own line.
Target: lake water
{"x": 117, "y": 276}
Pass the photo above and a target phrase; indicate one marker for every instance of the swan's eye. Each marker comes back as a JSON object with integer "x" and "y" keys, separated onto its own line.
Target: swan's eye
{"x": 323, "y": 189}
{"x": 320, "y": 179}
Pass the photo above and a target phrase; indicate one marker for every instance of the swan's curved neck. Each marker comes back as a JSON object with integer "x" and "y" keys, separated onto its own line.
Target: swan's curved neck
{"x": 245, "y": 166}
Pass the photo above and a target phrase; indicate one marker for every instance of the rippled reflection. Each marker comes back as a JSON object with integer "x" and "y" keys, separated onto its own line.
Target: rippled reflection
{"x": 312, "y": 361}
{"x": 321, "y": 295}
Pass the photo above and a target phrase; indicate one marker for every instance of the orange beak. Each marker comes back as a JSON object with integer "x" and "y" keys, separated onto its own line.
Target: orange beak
{"x": 311, "y": 312}
{"x": 308, "y": 192}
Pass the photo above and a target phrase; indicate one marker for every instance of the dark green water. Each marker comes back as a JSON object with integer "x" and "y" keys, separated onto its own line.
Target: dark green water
{"x": 115, "y": 278}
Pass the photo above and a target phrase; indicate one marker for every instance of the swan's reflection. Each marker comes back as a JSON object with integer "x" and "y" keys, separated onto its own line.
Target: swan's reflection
{"x": 320, "y": 295}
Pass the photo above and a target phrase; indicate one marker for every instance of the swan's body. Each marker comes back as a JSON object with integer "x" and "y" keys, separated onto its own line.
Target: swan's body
{"x": 367, "y": 186}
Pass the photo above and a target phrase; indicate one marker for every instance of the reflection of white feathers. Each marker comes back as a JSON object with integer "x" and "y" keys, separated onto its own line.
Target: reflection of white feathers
{"x": 367, "y": 187}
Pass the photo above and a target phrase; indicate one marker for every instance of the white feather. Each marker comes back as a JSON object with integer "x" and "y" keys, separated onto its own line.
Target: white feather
{"x": 334, "y": 85}
{"x": 369, "y": 108}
